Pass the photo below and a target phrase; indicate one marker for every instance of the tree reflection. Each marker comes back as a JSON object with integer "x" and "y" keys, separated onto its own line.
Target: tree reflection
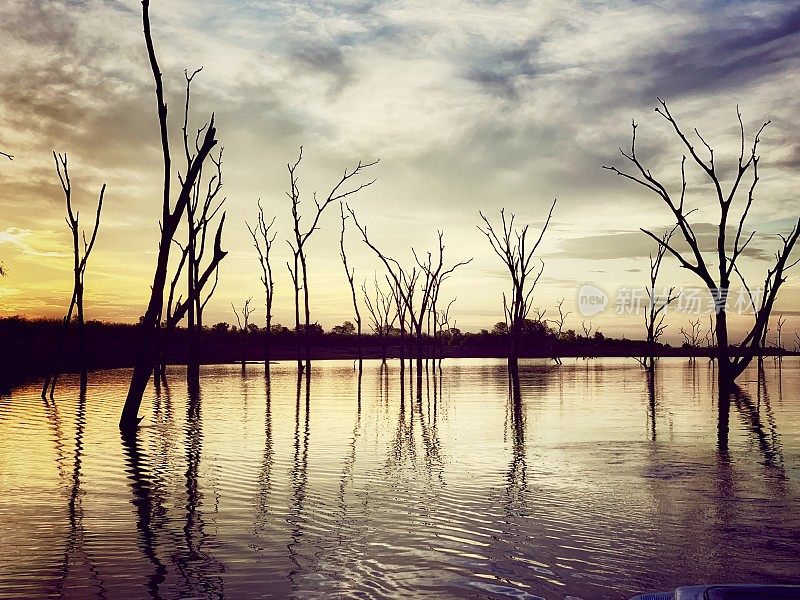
{"x": 265, "y": 473}
{"x": 199, "y": 570}
{"x": 766, "y": 438}
{"x": 650, "y": 374}
{"x": 76, "y": 535}
{"x": 517, "y": 469}
{"x": 299, "y": 475}
{"x": 142, "y": 501}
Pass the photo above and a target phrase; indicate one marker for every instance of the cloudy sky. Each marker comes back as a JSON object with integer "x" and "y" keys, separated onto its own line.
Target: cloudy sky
{"x": 469, "y": 106}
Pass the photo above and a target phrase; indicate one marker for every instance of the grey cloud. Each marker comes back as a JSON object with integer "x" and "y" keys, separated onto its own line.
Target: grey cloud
{"x": 729, "y": 52}
{"x": 636, "y": 244}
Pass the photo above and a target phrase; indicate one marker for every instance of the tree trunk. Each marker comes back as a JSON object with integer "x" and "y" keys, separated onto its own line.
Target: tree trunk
{"x": 725, "y": 375}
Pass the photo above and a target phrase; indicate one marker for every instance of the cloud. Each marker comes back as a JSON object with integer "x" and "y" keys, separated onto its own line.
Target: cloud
{"x": 636, "y": 244}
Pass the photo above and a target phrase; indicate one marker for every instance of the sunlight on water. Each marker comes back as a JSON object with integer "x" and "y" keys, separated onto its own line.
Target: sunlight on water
{"x": 594, "y": 485}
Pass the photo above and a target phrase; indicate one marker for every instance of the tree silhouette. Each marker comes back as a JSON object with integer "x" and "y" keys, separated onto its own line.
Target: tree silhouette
{"x": 80, "y": 257}
{"x": 243, "y": 323}
{"x": 427, "y": 275}
{"x": 263, "y": 238}
{"x": 170, "y": 219}
{"x": 201, "y": 209}
{"x": 350, "y": 274}
{"x": 732, "y": 359}
{"x": 299, "y": 269}
{"x": 382, "y": 313}
{"x": 199, "y": 216}
{"x": 510, "y": 245}
{"x": 656, "y": 305}
{"x": 779, "y": 328}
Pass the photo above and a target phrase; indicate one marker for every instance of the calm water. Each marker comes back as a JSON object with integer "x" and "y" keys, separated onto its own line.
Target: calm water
{"x": 589, "y": 487}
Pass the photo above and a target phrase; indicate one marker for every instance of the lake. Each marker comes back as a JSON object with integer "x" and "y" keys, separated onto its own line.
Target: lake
{"x": 587, "y": 483}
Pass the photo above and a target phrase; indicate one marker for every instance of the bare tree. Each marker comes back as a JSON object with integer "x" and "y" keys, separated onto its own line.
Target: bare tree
{"x": 779, "y": 328}
{"x": 732, "y": 359}
{"x": 80, "y": 256}
{"x": 350, "y": 273}
{"x": 445, "y": 328}
{"x": 510, "y": 245}
{"x": 8, "y": 156}
{"x": 562, "y": 318}
{"x": 170, "y": 219}
{"x": 263, "y": 238}
{"x": 398, "y": 287}
{"x": 382, "y": 314}
{"x": 709, "y": 338}
{"x": 656, "y": 305}
{"x": 243, "y": 323}
{"x": 299, "y": 269}
{"x": 691, "y": 336}
{"x": 199, "y": 215}
{"x": 432, "y": 275}
{"x": 428, "y": 275}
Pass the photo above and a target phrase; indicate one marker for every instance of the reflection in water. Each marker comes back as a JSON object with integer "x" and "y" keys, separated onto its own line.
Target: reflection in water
{"x": 142, "y": 500}
{"x": 299, "y": 479}
{"x": 539, "y": 483}
{"x": 75, "y": 551}
{"x": 517, "y": 471}
{"x": 199, "y": 570}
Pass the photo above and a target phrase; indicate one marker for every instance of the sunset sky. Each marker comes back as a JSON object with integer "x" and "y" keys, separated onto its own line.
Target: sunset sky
{"x": 469, "y": 106}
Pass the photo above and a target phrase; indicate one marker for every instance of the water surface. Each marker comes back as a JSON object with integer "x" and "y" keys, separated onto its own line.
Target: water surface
{"x": 592, "y": 484}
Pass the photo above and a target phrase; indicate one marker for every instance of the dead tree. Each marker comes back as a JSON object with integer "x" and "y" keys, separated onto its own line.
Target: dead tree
{"x": 401, "y": 307}
{"x": 445, "y": 328}
{"x": 201, "y": 209}
{"x": 263, "y": 238}
{"x": 243, "y": 323}
{"x": 559, "y": 324}
{"x": 8, "y": 156}
{"x": 709, "y": 338}
{"x": 732, "y": 359}
{"x": 432, "y": 274}
{"x": 170, "y": 219}
{"x": 80, "y": 256}
{"x": 381, "y": 314}
{"x": 778, "y": 328}
{"x": 510, "y": 245}
{"x": 656, "y": 305}
{"x": 299, "y": 269}
{"x": 588, "y": 328}
{"x": 691, "y": 336}
{"x": 428, "y": 275}
{"x": 199, "y": 215}
{"x": 350, "y": 274}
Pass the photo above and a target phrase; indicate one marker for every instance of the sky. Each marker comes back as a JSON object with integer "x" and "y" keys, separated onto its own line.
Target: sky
{"x": 468, "y": 105}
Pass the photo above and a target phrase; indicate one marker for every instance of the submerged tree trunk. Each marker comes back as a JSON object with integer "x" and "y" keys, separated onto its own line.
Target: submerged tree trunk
{"x": 149, "y": 328}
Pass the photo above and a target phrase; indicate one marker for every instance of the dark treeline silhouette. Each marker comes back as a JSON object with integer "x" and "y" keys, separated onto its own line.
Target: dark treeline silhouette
{"x": 24, "y": 341}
